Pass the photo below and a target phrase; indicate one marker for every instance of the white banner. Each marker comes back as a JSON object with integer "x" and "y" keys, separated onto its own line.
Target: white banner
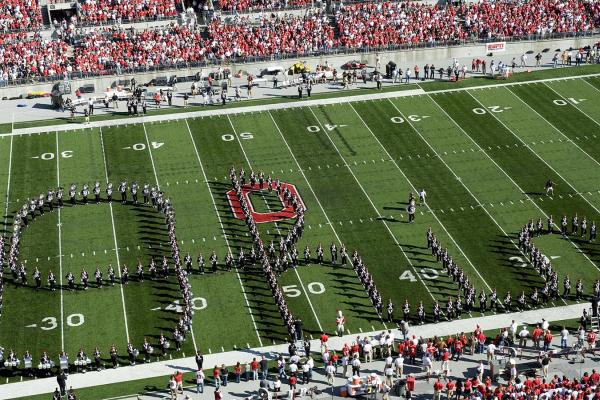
{"x": 495, "y": 46}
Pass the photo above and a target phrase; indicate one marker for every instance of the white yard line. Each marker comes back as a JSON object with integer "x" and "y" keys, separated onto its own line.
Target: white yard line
{"x": 10, "y": 153}
{"x": 573, "y": 104}
{"x": 112, "y": 219}
{"x": 373, "y": 205}
{"x": 158, "y": 186}
{"x": 553, "y": 126}
{"x": 567, "y": 138}
{"x": 426, "y": 205}
{"x": 278, "y": 230}
{"x": 151, "y": 157}
{"x": 60, "y": 254}
{"x": 457, "y": 177}
{"x": 536, "y": 154}
{"x": 223, "y": 230}
{"x": 279, "y": 106}
{"x": 312, "y": 190}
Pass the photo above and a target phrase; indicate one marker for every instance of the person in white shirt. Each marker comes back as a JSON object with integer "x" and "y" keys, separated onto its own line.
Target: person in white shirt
{"x": 422, "y": 195}
{"x": 490, "y": 352}
{"x": 345, "y": 362}
{"x": 330, "y": 373}
{"x": 399, "y": 365}
{"x": 545, "y": 324}
{"x": 389, "y": 375}
{"x": 368, "y": 351}
{"x": 199, "y": 381}
{"x": 407, "y": 74}
{"x": 356, "y": 366}
{"x": 513, "y": 330}
{"x": 523, "y": 335}
{"x": 480, "y": 370}
{"x": 427, "y": 364}
{"x": 564, "y": 336}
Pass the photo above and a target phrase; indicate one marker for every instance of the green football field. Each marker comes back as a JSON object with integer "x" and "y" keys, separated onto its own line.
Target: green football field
{"x": 483, "y": 156}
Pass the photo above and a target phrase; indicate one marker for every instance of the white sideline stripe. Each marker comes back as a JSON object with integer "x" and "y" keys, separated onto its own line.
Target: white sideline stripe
{"x": 463, "y": 184}
{"x": 277, "y": 106}
{"x": 373, "y": 204}
{"x": 112, "y": 219}
{"x": 168, "y": 367}
{"x": 277, "y": 227}
{"x": 416, "y": 191}
{"x": 575, "y": 144}
{"x": 158, "y": 186}
{"x": 212, "y": 197}
{"x": 60, "y": 257}
{"x": 314, "y": 194}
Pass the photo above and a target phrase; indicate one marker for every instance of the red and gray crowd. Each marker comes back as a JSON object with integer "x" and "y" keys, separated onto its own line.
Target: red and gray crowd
{"x": 28, "y": 56}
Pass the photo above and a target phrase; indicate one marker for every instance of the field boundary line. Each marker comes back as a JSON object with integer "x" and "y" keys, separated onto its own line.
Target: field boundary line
{"x": 10, "y": 153}
{"x": 372, "y": 204}
{"x": 416, "y": 191}
{"x": 460, "y": 180}
{"x": 212, "y": 197}
{"x": 158, "y": 186}
{"x": 60, "y": 254}
{"x": 276, "y": 227}
{"x": 314, "y": 195}
{"x": 279, "y": 106}
{"x": 536, "y": 154}
{"x": 575, "y": 105}
{"x": 112, "y": 219}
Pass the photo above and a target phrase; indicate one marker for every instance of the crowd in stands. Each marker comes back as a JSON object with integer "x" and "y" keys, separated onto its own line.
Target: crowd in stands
{"x": 272, "y": 36}
{"x": 20, "y": 15}
{"x": 257, "y": 5}
{"x": 360, "y": 25}
{"x": 23, "y": 58}
{"x": 383, "y": 24}
{"x": 113, "y": 49}
{"x": 103, "y": 11}
{"x": 503, "y": 19}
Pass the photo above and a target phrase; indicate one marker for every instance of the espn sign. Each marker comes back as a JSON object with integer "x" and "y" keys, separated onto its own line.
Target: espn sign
{"x": 495, "y": 46}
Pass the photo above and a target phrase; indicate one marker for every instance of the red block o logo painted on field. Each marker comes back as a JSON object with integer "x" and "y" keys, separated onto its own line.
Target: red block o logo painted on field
{"x": 287, "y": 211}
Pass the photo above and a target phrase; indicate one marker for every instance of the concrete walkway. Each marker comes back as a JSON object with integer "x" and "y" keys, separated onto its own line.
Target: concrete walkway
{"x": 164, "y": 368}
{"x": 215, "y": 110}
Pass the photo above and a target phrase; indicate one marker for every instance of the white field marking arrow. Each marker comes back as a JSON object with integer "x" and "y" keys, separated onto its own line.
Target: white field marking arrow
{"x": 127, "y": 148}
{"x": 31, "y": 326}
{"x": 554, "y": 257}
{"x": 155, "y": 309}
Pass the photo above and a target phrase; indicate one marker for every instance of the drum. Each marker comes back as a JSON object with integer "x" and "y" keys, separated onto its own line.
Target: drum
{"x": 136, "y": 352}
{"x": 150, "y": 350}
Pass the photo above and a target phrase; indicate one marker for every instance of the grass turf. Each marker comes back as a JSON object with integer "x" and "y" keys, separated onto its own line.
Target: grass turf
{"x": 482, "y": 155}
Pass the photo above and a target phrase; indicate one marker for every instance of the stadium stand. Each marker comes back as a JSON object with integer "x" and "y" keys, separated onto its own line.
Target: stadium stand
{"x": 102, "y": 11}
{"x": 383, "y": 24}
{"x": 504, "y": 19}
{"x": 370, "y": 26}
{"x": 20, "y": 15}
{"x": 273, "y": 36}
{"x": 256, "y": 5}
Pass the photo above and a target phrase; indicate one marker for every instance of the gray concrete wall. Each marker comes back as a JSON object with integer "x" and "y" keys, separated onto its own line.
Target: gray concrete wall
{"x": 440, "y": 56}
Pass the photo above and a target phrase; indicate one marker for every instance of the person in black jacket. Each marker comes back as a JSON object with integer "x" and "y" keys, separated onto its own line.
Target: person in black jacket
{"x": 62, "y": 382}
